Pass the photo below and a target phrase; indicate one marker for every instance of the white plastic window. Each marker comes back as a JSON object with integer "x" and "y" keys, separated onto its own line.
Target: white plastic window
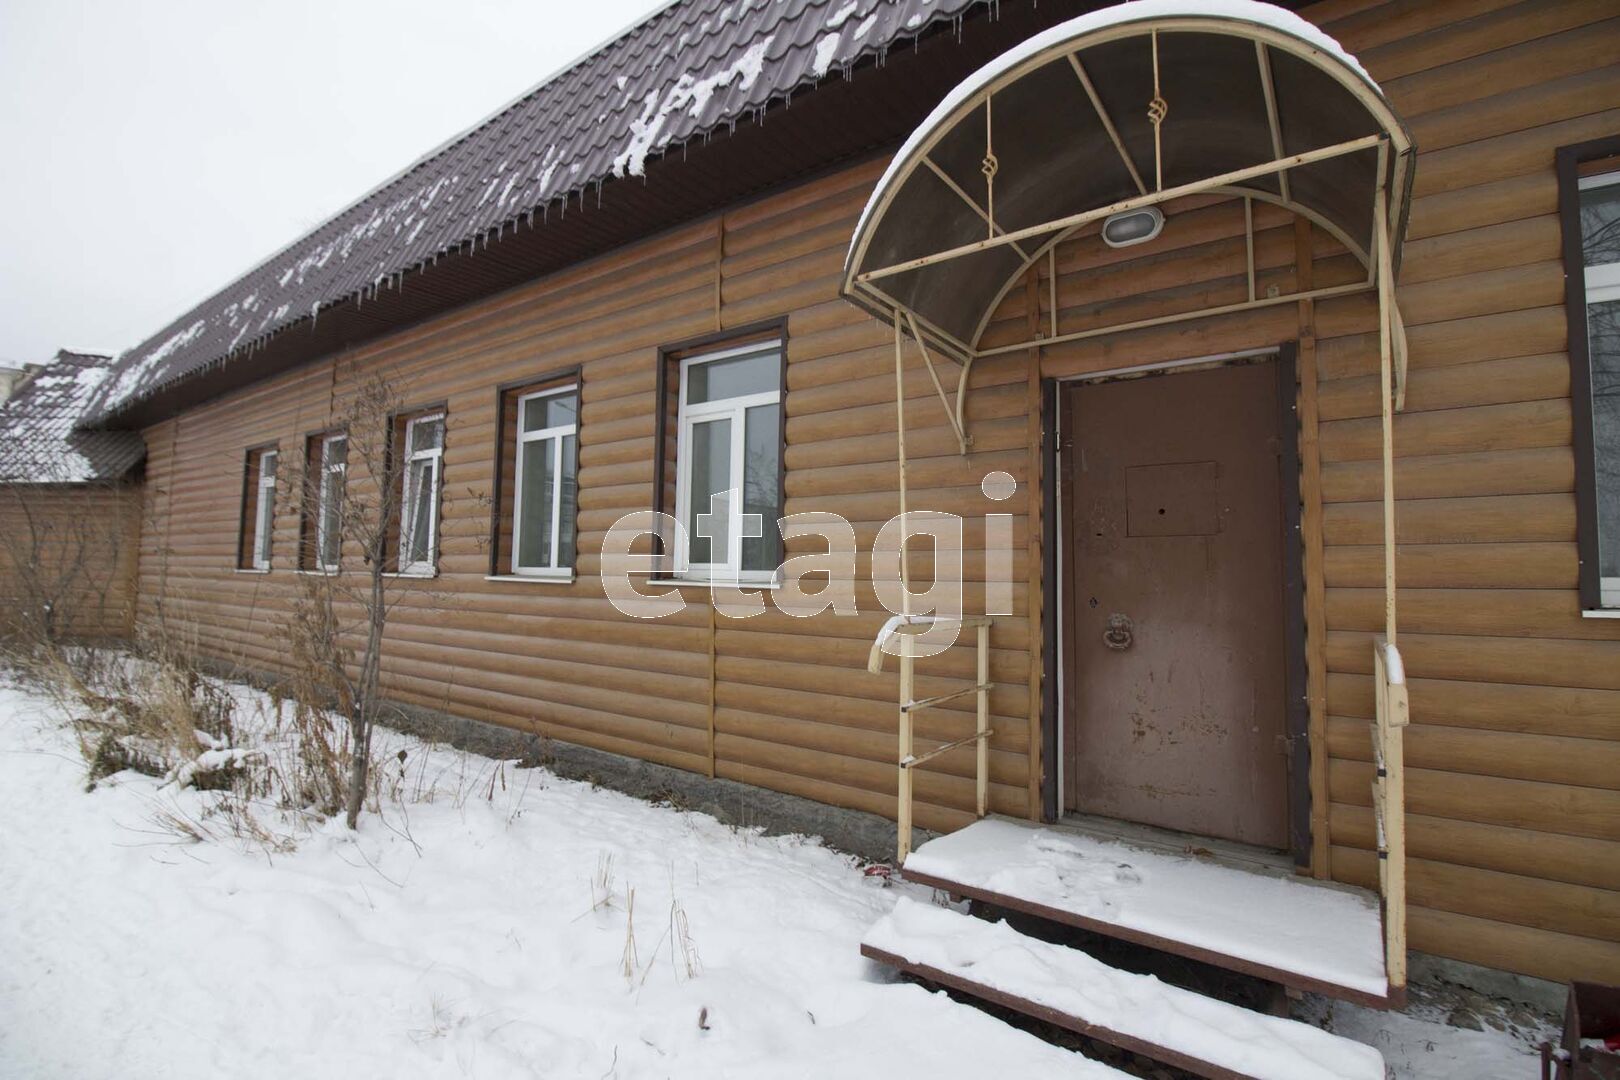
{"x": 419, "y": 521}
{"x": 334, "y": 468}
{"x": 728, "y": 461}
{"x": 264, "y": 510}
{"x": 544, "y": 507}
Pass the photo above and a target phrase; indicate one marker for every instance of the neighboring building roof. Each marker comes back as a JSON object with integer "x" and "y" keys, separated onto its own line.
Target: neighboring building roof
{"x": 39, "y": 442}
{"x": 686, "y": 72}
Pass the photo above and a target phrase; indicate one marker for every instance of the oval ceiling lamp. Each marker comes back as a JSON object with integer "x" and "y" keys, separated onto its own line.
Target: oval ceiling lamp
{"x": 1131, "y": 227}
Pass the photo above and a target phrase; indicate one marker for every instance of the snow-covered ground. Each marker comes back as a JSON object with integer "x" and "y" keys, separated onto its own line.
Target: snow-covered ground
{"x": 483, "y": 926}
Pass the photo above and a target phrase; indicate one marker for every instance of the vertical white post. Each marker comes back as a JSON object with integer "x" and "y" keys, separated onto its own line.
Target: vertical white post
{"x": 1391, "y": 703}
{"x": 1386, "y": 288}
{"x": 903, "y": 779}
{"x": 903, "y": 848}
{"x": 982, "y": 771}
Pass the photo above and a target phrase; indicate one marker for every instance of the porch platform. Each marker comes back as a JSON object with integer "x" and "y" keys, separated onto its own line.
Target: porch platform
{"x": 1305, "y": 934}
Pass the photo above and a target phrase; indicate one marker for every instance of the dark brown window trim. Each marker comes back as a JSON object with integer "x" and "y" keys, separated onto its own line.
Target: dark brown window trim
{"x": 574, "y": 374}
{"x": 671, "y": 354}
{"x": 1568, "y": 161}
{"x": 245, "y": 519}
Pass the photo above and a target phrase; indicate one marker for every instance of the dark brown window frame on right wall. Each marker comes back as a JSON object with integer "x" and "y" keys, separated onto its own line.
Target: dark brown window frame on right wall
{"x": 1572, "y": 162}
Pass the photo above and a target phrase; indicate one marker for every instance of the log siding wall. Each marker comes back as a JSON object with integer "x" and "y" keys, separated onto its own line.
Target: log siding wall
{"x": 82, "y": 540}
{"x": 1514, "y": 786}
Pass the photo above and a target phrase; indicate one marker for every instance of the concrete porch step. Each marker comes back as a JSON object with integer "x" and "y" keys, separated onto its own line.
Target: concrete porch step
{"x": 1138, "y": 1013}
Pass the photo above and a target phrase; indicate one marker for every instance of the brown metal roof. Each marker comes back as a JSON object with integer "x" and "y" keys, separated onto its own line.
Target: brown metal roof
{"x": 543, "y": 182}
{"x": 39, "y": 441}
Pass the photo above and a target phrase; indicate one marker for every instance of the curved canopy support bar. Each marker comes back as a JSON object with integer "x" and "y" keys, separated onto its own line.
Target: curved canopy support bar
{"x": 1132, "y": 106}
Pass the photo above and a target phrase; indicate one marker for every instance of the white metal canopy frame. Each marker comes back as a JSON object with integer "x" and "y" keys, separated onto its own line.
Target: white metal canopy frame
{"x": 1126, "y": 108}
{"x": 1129, "y": 107}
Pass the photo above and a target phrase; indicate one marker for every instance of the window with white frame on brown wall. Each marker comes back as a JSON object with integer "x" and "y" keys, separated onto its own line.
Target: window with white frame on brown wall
{"x": 326, "y": 470}
{"x": 728, "y": 463}
{"x": 537, "y": 455}
{"x": 419, "y": 446}
{"x": 255, "y": 540}
{"x": 1589, "y": 180}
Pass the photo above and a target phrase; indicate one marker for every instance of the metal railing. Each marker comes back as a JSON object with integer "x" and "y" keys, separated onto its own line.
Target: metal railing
{"x": 1391, "y": 715}
{"x": 903, "y": 629}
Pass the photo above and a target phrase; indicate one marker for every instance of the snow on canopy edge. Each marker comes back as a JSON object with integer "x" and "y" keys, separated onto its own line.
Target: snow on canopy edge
{"x": 1215, "y": 11}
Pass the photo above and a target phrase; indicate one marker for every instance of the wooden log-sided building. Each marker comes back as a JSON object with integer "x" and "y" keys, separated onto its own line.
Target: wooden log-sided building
{"x": 70, "y": 507}
{"x": 617, "y": 224}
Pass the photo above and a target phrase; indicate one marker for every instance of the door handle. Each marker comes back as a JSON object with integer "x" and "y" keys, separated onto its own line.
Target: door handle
{"x": 1120, "y": 633}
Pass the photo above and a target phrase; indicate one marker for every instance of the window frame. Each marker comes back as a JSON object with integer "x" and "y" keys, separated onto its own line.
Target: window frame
{"x": 262, "y": 554}
{"x": 322, "y": 493}
{"x": 521, "y": 439}
{"x": 428, "y": 566}
{"x": 735, "y": 409}
{"x": 1599, "y": 596}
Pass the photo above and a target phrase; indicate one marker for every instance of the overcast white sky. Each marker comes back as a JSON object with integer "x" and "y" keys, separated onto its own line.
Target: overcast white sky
{"x": 153, "y": 150}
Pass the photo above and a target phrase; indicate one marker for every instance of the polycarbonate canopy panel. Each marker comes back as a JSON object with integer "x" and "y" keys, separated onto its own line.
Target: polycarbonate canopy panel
{"x": 1245, "y": 84}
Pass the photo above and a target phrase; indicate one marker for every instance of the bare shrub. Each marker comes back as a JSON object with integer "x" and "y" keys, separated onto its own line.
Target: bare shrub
{"x": 319, "y": 698}
{"x": 60, "y": 553}
{"x": 335, "y": 636}
{"x": 151, "y": 711}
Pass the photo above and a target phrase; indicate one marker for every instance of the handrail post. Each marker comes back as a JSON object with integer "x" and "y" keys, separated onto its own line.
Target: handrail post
{"x": 982, "y": 726}
{"x": 1391, "y": 715}
{"x": 903, "y": 776}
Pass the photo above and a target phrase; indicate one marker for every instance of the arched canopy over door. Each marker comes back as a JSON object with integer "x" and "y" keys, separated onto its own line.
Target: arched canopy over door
{"x": 1126, "y": 107}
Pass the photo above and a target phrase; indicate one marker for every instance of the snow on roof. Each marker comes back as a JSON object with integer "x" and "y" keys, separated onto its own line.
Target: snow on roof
{"x": 684, "y": 72}
{"x": 39, "y": 443}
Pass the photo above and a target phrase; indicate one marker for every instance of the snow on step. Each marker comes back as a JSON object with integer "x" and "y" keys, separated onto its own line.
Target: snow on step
{"x": 1325, "y": 933}
{"x": 995, "y": 956}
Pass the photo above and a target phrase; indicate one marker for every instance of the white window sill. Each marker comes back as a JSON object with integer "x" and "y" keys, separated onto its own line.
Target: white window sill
{"x": 422, "y": 575}
{"x": 744, "y": 583}
{"x": 548, "y": 577}
{"x": 1601, "y": 613}
{"x": 334, "y": 572}
{"x": 251, "y": 570}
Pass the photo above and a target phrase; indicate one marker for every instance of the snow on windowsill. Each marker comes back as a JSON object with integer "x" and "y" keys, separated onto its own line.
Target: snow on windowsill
{"x": 743, "y": 583}
{"x": 550, "y": 577}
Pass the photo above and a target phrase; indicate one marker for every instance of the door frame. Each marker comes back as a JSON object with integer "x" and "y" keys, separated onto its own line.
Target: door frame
{"x": 1056, "y": 568}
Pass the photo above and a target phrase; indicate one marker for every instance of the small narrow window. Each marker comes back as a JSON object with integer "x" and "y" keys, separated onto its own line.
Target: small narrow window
{"x": 545, "y": 451}
{"x": 422, "y": 455}
{"x": 728, "y": 463}
{"x": 331, "y": 484}
{"x": 262, "y": 477}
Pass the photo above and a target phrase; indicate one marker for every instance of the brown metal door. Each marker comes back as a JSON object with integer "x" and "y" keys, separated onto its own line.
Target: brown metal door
{"x": 1176, "y": 678}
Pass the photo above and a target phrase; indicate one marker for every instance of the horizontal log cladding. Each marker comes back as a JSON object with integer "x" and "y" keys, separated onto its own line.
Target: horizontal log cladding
{"x": 1514, "y": 820}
